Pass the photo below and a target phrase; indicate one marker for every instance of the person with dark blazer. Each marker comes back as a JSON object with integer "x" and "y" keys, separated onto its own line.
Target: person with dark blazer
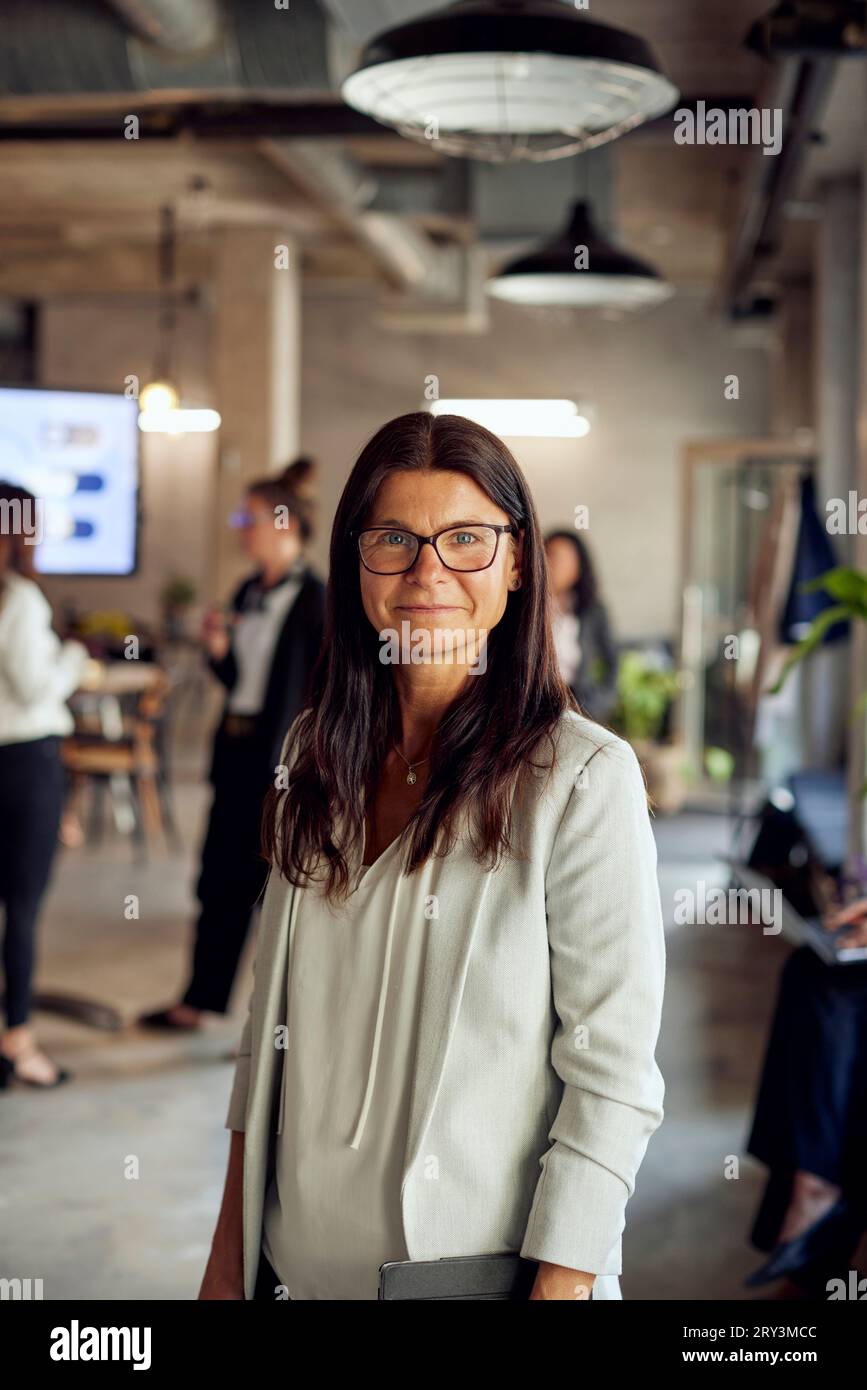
{"x": 263, "y": 652}
{"x": 810, "y": 1122}
{"x": 586, "y": 651}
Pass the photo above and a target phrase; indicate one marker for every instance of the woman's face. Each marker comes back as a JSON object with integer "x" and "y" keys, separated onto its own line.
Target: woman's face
{"x": 564, "y": 565}
{"x": 430, "y": 595}
{"x": 262, "y": 540}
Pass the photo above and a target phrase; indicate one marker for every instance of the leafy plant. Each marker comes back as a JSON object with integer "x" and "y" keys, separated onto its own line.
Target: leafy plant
{"x": 644, "y": 694}
{"x": 848, "y": 587}
{"x": 719, "y": 764}
{"x": 178, "y": 593}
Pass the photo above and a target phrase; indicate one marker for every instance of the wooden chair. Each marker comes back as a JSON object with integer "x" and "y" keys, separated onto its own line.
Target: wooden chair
{"x": 120, "y": 751}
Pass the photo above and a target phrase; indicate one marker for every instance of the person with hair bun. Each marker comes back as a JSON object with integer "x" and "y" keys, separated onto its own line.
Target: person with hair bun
{"x": 263, "y": 651}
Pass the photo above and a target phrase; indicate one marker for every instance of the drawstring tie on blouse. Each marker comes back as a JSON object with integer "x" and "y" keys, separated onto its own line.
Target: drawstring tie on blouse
{"x": 355, "y": 1142}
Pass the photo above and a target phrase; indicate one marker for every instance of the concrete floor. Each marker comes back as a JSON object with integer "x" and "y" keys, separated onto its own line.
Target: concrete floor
{"x": 70, "y": 1215}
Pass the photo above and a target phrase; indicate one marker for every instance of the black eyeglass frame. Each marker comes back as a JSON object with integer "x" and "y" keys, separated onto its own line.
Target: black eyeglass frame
{"x": 500, "y": 529}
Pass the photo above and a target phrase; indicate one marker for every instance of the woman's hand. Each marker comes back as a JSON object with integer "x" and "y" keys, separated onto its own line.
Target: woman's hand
{"x": 221, "y": 1282}
{"x": 224, "y": 1273}
{"x": 856, "y": 913}
{"x": 215, "y": 633}
{"x": 559, "y": 1282}
{"x": 93, "y": 675}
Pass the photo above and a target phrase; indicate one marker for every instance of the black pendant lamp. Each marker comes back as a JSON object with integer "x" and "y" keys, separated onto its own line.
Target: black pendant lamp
{"x": 509, "y": 79}
{"x": 580, "y": 270}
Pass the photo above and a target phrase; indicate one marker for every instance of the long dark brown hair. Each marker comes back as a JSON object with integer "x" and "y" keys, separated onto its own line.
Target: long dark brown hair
{"x": 584, "y": 593}
{"x": 485, "y": 738}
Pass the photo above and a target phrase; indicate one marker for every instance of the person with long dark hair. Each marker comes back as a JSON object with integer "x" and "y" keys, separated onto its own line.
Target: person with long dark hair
{"x": 264, "y": 655}
{"x": 460, "y": 963}
{"x": 38, "y": 673}
{"x": 585, "y": 648}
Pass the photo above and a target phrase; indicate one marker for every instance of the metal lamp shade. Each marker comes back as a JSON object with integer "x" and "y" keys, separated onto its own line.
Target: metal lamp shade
{"x": 509, "y": 79}
{"x": 549, "y": 277}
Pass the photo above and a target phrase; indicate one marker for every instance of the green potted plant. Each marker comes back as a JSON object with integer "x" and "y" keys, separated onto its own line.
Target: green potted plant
{"x": 177, "y": 596}
{"x": 645, "y": 694}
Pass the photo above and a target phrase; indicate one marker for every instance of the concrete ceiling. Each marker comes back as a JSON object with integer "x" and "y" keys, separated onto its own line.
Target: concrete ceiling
{"x": 670, "y": 203}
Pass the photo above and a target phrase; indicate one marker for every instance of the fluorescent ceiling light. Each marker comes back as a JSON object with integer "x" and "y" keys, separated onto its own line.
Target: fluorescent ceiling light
{"x": 579, "y": 269}
{"x": 516, "y": 419}
{"x": 509, "y": 79}
{"x": 180, "y": 421}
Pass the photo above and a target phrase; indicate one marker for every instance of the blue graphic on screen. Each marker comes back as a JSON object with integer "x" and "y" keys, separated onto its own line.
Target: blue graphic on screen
{"x": 77, "y": 452}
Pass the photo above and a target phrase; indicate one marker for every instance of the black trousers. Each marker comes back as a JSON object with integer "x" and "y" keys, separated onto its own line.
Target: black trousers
{"x": 233, "y": 872}
{"x": 31, "y": 800}
{"x": 811, "y": 1110}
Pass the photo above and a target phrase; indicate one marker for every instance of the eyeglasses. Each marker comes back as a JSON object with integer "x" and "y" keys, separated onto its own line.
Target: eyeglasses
{"x": 243, "y": 520}
{"x": 386, "y": 550}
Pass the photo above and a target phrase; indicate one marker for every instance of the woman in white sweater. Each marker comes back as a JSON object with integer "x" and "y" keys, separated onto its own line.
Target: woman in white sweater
{"x": 38, "y": 673}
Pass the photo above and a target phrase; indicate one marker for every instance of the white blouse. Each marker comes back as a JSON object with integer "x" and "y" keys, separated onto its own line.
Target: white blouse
{"x": 255, "y": 635}
{"x": 38, "y": 672}
{"x": 332, "y": 1211}
{"x": 566, "y": 629}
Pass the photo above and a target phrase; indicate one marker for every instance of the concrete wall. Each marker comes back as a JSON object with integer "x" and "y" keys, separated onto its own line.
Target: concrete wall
{"x": 655, "y": 381}
{"x": 94, "y": 345}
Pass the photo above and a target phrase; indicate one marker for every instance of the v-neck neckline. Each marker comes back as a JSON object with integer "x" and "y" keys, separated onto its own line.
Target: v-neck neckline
{"x": 369, "y": 868}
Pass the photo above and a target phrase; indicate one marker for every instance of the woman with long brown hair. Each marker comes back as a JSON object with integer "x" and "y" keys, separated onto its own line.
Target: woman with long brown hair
{"x": 460, "y": 964}
{"x": 38, "y": 673}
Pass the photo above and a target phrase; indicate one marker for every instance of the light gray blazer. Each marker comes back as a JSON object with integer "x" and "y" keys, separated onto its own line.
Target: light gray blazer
{"x": 536, "y": 1087}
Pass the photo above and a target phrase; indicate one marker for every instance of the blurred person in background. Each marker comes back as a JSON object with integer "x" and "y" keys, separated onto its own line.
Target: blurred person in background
{"x": 810, "y": 1122}
{"x": 38, "y": 673}
{"x": 263, "y": 652}
{"x": 585, "y": 648}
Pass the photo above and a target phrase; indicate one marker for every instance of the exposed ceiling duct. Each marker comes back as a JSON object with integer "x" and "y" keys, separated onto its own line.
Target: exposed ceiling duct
{"x": 65, "y": 48}
{"x": 183, "y": 26}
{"x": 799, "y": 89}
{"x": 811, "y": 27}
{"x": 442, "y": 285}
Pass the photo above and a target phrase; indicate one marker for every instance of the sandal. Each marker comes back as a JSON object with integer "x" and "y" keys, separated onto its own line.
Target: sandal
{"x": 9, "y": 1072}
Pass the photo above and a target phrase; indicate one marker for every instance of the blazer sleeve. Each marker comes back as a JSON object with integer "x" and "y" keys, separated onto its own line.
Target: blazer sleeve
{"x": 226, "y": 669}
{"x": 607, "y": 952}
{"x": 236, "y": 1117}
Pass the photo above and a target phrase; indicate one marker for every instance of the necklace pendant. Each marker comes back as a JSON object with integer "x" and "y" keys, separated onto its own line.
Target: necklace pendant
{"x": 411, "y": 778}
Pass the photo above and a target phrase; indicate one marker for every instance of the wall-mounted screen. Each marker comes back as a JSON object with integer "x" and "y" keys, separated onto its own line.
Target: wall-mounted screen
{"x": 77, "y": 452}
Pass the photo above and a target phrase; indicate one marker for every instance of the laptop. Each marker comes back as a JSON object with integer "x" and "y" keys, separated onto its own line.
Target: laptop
{"x": 801, "y": 931}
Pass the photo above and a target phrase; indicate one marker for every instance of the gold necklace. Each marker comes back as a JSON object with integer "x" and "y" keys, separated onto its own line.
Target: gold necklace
{"x": 411, "y": 778}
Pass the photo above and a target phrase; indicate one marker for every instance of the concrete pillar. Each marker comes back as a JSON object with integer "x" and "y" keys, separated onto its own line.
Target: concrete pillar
{"x": 257, "y": 367}
{"x": 836, "y": 317}
{"x": 792, "y": 406}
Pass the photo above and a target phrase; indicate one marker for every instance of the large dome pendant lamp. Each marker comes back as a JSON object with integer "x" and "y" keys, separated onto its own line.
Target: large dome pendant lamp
{"x": 505, "y": 80}
{"x": 579, "y": 269}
